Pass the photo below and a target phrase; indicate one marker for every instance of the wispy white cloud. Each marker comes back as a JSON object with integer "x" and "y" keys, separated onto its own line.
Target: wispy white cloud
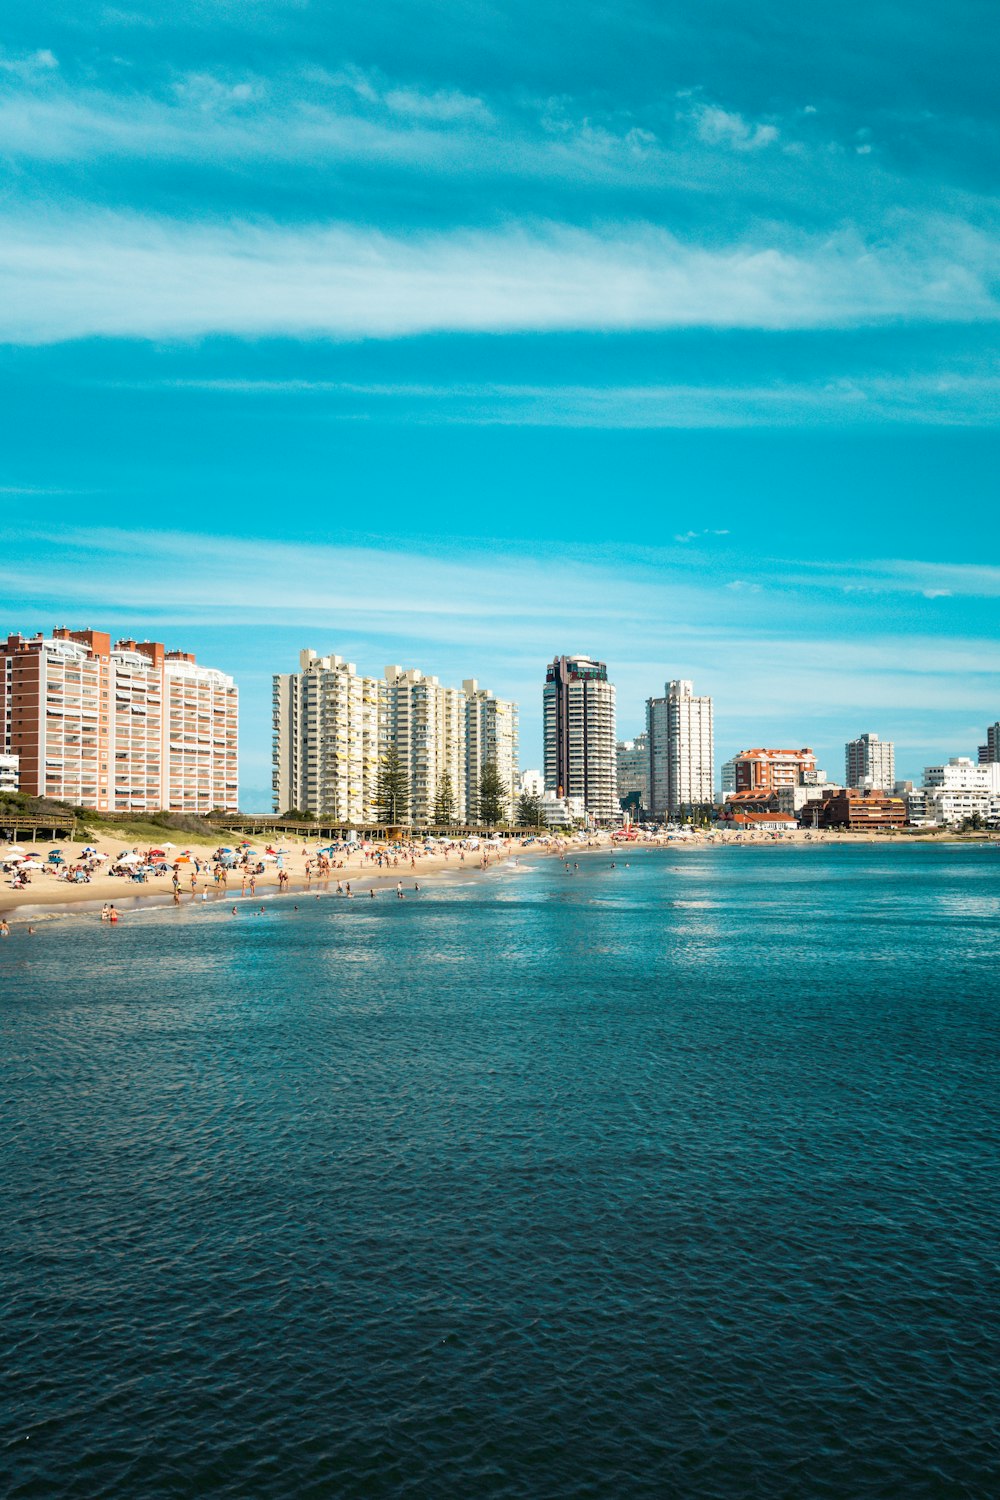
{"x": 75, "y": 276}
{"x": 719, "y": 126}
{"x": 940, "y": 398}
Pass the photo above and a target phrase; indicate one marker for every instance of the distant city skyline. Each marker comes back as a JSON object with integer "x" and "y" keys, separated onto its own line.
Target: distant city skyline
{"x": 450, "y": 342}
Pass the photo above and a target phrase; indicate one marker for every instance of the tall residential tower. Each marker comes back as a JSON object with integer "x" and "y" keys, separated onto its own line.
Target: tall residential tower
{"x": 679, "y": 727}
{"x": 578, "y": 708}
{"x": 870, "y": 763}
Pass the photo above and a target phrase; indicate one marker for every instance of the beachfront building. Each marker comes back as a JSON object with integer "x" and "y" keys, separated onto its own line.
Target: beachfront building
{"x": 329, "y": 732}
{"x": 124, "y": 728}
{"x": 854, "y": 810}
{"x": 530, "y": 784}
{"x": 960, "y": 788}
{"x": 989, "y": 754}
{"x": 426, "y": 724}
{"x": 632, "y": 765}
{"x": 562, "y": 812}
{"x": 870, "y": 763}
{"x": 767, "y": 770}
{"x": 578, "y": 713}
{"x": 333, "y": 728}
{"x": 8, "y": 773}
{"x": 680, "y": 733}
{"x": 491, "y": 738}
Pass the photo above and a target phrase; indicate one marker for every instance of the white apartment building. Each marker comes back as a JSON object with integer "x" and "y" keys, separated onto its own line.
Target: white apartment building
{"x": 530, "y": 784}
{"x": 491, "y": 737}
{"x": 870, "y": 763}
{"x": 960, "y": 788}
{"x": 426, "y": 723}
{"x": 329, "y": 734}
{"x": 129, "y": 728}
{"x": 632, "y": 758}
{"x": 562, "y": 812}
{"x": 333, "y": 728}
{"x": 578, "y": 711}
{"x": 681, "y": 749}
{"x": 8, "y": 773}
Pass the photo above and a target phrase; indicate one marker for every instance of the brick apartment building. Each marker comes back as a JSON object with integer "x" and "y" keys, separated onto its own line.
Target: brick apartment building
{"x": 763, "y": 770}
{"x": 853, "y": 810}
{"x": 129, "y": 727}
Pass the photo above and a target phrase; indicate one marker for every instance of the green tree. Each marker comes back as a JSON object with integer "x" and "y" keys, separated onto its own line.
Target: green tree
{"x": 529, "y": 811}
{"x": 392, "y": 790}
{"x": 493, "y": 796}
{"x": 444, "y": 802}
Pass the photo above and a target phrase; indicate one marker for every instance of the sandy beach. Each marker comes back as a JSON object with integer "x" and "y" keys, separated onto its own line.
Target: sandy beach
{"x": 48, "y": 894}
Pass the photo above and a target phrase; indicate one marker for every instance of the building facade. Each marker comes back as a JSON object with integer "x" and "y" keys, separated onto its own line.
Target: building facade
{"x": 855, "y": 809}
{"x": 768, "y": 770}
{"x": 632, "y": 762}
{"x": 333, "y": 728}
{"x": 870, "y": 763}
{"x": 123, "y": 728}
{"x": 491, "y": 738}
{"x": 329, "y": 732}
{"x": 578, "y": 711}
{"x": 9, "y": 770}
{"x": 681, "y": 743}
{"x": 960, "y": 788}
{"x": 989, "y": 753}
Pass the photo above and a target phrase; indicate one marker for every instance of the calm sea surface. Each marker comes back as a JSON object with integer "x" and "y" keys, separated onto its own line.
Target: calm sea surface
{"x": 680, "y": 1179}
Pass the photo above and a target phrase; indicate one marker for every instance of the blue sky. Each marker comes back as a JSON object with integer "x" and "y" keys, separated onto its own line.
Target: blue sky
{"x": 459, "y": 336}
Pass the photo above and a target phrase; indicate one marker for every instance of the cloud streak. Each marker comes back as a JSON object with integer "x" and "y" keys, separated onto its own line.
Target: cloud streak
{"x": 127, "y": 276}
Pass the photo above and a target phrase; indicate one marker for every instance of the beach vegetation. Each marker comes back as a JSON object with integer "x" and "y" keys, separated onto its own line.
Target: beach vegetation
{"x": 444, "y": 802}
{"x": 494, "y": 806}
{"x": 392, "y": 790}
{"x": 529, "y": 811}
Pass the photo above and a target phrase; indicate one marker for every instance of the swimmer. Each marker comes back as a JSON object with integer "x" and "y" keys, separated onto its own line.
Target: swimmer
{"x": 234, "y": 911}
{"x": 4, "y": 929}
{"x": 31, "y": 932}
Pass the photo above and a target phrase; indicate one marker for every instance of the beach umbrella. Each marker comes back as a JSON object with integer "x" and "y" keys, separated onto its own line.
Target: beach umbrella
{"x": 15, "y": 849}
{"x": 32, "y": 864}
{"x": 270, "y": 859}
{"x": 14, "y": 859}
{"x": 129, "y": 859}
{"x": 99, "y": 856}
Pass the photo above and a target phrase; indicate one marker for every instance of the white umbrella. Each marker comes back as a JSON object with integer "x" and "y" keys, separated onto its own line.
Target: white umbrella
{"x": 14, "y": 849}
{"x": 14, "y": 859}
{"x": 32, "y": 864}
{"x": 95, "y": 855}
{"x": 167, "y": 845}
{"x": 129, "y": 859}
{"x": 270, "y": 859}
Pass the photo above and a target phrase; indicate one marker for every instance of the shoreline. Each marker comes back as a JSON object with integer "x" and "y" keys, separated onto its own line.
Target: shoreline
{"x": 45, "y": 899}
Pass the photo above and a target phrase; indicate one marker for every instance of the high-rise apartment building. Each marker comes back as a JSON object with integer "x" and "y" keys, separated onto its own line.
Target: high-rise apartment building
{"x": 334, "y": 727}
{"x": 329, "y": 732}
{"x": 491, "y": 738}
{"x": 426, "y": 724}
{"x": 870, "y": 763}
{"x": 680, "y": 730}
{"x": 989, "y": 754}
{"x": 578, "y": 709}
{"x": 766, "y": 770}
{"x": 129, "y": 727}
{"x": 632, "y": 757}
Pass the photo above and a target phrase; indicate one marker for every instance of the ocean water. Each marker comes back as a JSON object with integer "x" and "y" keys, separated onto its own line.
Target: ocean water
{"x": 671, "y": 1180}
